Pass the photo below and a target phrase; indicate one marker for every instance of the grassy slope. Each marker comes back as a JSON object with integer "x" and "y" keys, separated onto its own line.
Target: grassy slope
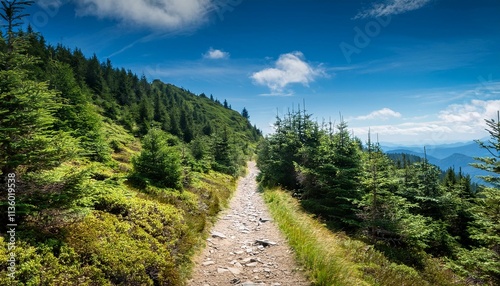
{"x": 335, "y": 259}
{"x": 109, "y": 233}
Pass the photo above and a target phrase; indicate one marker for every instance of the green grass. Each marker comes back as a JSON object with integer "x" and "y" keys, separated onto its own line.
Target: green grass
{"x": 319, "y": 250}
{"x": 336, "y": 259}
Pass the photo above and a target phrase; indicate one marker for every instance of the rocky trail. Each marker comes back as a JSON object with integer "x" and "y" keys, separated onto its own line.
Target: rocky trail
{"x": 245, "y": 246}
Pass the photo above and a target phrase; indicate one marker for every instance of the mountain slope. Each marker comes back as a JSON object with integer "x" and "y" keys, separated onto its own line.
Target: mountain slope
{"x": 84, "y": 218}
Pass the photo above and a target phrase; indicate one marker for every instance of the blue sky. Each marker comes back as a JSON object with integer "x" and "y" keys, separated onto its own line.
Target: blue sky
{"x": 411, "y": 71}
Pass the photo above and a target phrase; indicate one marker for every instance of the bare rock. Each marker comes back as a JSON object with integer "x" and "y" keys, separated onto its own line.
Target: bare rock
{"x": 235, "y": 271}
{"x": 222, "y": 270}
{"x": 265, "y": 242}
{"x": 216, "y": 234}
{"x": 252, "y": 264}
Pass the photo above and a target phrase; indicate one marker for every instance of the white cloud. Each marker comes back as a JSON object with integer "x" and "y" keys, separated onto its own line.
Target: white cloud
{"x": 289, "y": 68}
{"x": 382, "y": 114}
{"x": 471, "y": 114}
{"x": 213, "y": 54}
{"x": 391, "y": 7}
{"x": 454, "y": 123}
{"x": 155, "y": 14}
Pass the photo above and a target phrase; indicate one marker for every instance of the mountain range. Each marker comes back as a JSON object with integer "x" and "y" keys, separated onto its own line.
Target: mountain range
{"x": 458, "y": 156}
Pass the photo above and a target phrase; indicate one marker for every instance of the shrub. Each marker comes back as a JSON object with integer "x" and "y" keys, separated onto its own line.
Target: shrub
{"x": 124, "y": 251}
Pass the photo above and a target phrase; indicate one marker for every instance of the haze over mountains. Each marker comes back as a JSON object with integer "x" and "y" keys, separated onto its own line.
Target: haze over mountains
{"x": 456, "y": 155}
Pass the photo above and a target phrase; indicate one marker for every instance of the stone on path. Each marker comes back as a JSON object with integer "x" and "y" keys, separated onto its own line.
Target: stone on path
{"x": 234, "y": 271}
{"x": 207, "y": 263}
{"x": 222, "y": 270}
{"x": 265, "y": 242}
{"x": 216, "y": 234}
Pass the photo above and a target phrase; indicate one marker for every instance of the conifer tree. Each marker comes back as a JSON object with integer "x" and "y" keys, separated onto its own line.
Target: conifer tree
{"x": 484, "y": 261}
{"x": 159, "y": 163}
{"x": 244, "y": 113}
{"x": 12, "y": 14}
{"x": 27, "y": 109}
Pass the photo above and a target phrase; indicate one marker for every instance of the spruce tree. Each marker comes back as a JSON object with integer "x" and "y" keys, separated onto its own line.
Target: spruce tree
{"x": 159, "y": 163}
{"x": 27, "y": 110}
{"x": 484, "y": 261}
{"x": 244, "y": 113}
{"x": 12, "y": 14}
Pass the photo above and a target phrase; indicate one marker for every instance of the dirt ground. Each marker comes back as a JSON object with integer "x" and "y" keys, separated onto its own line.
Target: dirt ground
{"x": 245, "y": 246}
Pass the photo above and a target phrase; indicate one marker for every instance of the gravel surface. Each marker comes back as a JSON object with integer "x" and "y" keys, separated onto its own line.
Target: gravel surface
{"x": 245, "y": 246}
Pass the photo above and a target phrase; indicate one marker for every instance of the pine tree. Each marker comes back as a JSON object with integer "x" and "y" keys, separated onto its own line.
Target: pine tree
{"x": 244, "y": 113}
{"x": 159, "y": 163}
{"x": 27, "y": 112}
{"x": 77, "y": 115}
{"x": 484, "y": 261}
{"x": 223, "y": 153}
{"x": 94, "y": 76}
{"x": 11, "y": 13}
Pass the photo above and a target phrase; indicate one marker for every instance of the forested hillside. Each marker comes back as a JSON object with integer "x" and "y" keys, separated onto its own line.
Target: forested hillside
{"x": 110, "y": 179}
{"x": 404, "y": 207}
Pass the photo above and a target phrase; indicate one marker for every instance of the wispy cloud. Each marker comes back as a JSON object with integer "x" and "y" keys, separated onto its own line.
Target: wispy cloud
{"x": 289, "y": 69}
{"x": 391, "y": 7}
{"x": 199, "y": 70}
{"x": 214, "y": 54}
{"x": 382, "y": 114}
{"x": 157, "y": 14}
{"x": 282, "y": 94}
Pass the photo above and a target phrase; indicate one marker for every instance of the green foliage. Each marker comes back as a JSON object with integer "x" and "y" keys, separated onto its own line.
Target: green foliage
{"x": 77, "y": 114}
{"x": 279, "y": 151}
{"x": 483, "y": 261}
{"x": 47, "y": 264}
{"x": 321, "y": 164}
{"x": 227, "y": 158}
{"x": 70, "y": 129}
{"x": 27, "y": 111}
{"x": 159, "y": 163}
{"x": 332, "y": 258}
{"x": 124, "y": 251}
{"x": 481, "y": 265}
{"x": 406, "y": 207}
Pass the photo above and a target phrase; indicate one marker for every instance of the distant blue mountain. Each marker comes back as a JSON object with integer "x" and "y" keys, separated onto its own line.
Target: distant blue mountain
{"x": 457, "y": 156}
{"x": 471, "y": 149}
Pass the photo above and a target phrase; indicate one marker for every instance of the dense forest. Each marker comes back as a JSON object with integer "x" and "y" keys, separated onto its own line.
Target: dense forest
{"x": 109, "y": 179}
{"x": 404, "y": 206}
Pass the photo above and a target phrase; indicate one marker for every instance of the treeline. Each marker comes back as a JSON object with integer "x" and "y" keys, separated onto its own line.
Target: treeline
{"x": 407, "y": 208}
{"x": 111, "y": 179}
